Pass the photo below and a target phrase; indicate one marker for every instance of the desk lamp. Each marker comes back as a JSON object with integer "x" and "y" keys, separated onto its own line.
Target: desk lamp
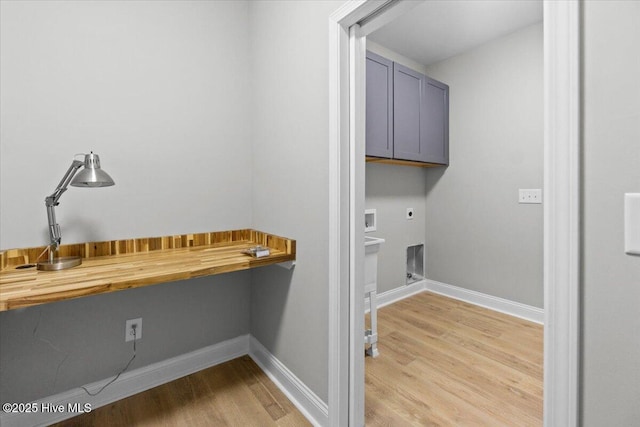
{"x": 90, "y": 176}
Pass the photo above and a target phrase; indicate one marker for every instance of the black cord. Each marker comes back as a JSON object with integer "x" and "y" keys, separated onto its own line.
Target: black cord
{"x": 119, "y": 373}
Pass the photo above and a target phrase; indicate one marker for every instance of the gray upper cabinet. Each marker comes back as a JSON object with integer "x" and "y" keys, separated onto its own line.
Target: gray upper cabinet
{"x": 379, "y": 115}
{"x": 435, "y": 122}
{"x": 407, "y": 114}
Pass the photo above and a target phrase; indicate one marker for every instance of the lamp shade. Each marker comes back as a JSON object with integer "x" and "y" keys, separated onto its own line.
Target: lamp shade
{"x": 91, "y": 175}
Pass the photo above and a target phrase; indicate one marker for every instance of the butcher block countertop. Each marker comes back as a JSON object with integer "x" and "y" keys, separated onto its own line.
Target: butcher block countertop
{"x": 124, "y": 264}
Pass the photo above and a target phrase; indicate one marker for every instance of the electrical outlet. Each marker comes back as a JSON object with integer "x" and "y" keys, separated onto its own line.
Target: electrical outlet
{"x": 128, "y": 329}
{"x": 530, "y": 196}
{"x": 409, "y": 213}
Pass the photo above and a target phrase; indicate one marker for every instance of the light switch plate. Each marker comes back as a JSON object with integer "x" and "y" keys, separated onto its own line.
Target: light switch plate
{"x": 533, "y": 196}
{"x": 632, "y": 223}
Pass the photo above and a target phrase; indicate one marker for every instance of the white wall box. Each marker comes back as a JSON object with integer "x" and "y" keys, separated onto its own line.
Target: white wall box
{"x": 370, "y": 220}
{"x": 415, "y": 263}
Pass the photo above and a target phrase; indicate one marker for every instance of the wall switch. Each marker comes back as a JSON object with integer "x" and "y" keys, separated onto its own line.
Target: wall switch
{"x": 530, "y": 196}
{"x": 632, "y": 223}
{"x": 409, "y": 213}
{"x": 128, "y": 329}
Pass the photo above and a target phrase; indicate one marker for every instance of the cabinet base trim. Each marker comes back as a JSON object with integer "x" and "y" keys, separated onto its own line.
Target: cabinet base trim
{"x": 370, "y": 159}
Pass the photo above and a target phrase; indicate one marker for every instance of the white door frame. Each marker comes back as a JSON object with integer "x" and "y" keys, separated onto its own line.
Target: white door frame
{"x": 562, "y": 134}
{"x": 562, "y": 153}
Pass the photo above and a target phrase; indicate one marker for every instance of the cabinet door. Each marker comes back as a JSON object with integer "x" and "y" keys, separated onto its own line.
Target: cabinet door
{"x": 434, "y": 128}
{"x": 379, "y": 105}
{"x": 408, "y": 107}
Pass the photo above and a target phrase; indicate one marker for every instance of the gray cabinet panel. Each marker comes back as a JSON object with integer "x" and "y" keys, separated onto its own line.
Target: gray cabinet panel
{"x": 408, "y": 107}
{"x": 435, "y": 122}
{"x": 379, "y": 114}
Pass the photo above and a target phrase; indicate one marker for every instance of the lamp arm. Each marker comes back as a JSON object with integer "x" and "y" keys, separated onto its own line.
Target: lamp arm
{"x": 64, "y": 183}
{"x": 52, "y": 201}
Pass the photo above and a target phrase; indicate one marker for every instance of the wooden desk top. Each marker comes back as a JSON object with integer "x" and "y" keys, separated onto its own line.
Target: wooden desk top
{"x": 124, "y": 264}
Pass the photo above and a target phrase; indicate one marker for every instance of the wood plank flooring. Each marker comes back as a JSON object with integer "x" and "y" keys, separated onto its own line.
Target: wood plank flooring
{"x": 444, "y": 362}
{"x": 235, "y": 393}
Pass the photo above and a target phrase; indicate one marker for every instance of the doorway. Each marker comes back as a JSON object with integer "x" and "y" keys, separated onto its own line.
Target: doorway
{"x": 349, "y": 26}
{"x": 481, "y": 245}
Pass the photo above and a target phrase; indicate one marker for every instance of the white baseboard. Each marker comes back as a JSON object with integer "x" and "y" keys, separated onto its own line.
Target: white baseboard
{"x": 159, "y": 373}
{"x": 396, "y": 294}
{"x": 512, "y": 308}
{"x": 523, "y": 311}
{"x": 307, "y": 402}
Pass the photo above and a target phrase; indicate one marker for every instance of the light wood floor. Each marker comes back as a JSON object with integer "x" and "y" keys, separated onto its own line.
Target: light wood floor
{"x": 235, "y": 393}
{"x": 444, "y": 362}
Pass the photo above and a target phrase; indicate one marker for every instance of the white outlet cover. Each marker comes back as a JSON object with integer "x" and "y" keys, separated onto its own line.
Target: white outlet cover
{"x": 410, "y": 213}
{"x": 530, "y": 196}
{"x": 128, "y": 336}
{"x": 632, "y": 223}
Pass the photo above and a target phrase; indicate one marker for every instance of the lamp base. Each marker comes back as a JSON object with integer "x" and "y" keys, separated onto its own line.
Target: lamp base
{"x": 61, "y": 263}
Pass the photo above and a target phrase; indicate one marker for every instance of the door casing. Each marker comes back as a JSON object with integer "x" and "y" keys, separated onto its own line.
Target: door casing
{"x": 349, "y": 26}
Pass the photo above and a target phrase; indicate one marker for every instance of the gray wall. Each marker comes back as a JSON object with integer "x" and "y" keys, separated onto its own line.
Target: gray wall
{"x": 290, "y": 133}
{"x": 611, "y": 279}
{"x": 56, "y": 347}
{"x": 391, "y": 189}
{"x": 477, "y": 235}
{"x": 159, "y": 90}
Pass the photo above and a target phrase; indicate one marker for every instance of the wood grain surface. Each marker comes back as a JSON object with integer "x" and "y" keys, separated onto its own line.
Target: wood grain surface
{"x": 445, "y": 362}
{"x": 399, "y": 162}
{"x": 235, "y": 393}
{"x": 123, "y": 264}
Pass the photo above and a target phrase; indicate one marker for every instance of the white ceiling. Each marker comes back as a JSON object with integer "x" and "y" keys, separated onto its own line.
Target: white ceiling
{"x": 439, "y": 29}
